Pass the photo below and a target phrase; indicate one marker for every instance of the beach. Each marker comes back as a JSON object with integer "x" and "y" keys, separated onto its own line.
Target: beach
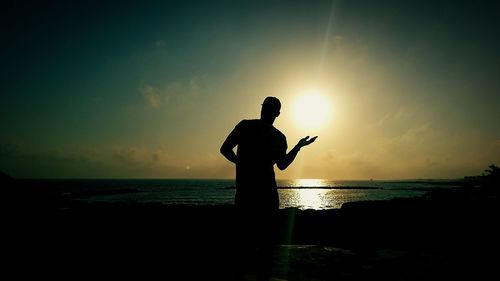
{"x": 281, "y": 140}
{"x": 447, "y": 234}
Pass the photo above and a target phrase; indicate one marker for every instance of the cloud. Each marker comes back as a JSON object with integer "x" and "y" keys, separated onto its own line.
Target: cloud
{"x": 10, "y": 148}
{"x": 186, "y": 88}
{"x": 338, "y": 39}
{"x": 175, "y": 92}
{"x": 84, "y": 161}
{"x": 418, "y": 151}
{"x": 140, "y": 156}
{"x": 414, "y": 136}
{"x": 152, "y": 96}
{"x": 194, "y": 83}
{"x": 161, "y": 43}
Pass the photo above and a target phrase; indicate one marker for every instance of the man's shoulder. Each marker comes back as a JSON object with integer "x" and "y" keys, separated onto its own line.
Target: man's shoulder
{"x": 248, "y": 122}
{"x": 279, "y": 133}
{"x": 257, "y": 124}
{"x": 251, "y": 121}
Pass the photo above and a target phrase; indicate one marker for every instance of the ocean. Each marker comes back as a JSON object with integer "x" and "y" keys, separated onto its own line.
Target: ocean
{"x": 317, "y": 194}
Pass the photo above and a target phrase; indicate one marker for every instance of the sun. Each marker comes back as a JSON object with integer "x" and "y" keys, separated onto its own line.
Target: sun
{"x": 311, "y": 110}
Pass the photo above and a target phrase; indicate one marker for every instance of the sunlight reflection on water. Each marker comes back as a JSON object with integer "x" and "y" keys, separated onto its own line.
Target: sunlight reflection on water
{"x": 321, "y": 194}
{"x": 309, "y": 197}
{"x": 306, "y": 199}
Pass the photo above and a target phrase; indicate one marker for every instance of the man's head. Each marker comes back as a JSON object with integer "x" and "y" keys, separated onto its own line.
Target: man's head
{"x": 270, "y": 109}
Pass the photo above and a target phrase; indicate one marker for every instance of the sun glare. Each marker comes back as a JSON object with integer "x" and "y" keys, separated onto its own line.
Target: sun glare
{"x": 311, "y": 110}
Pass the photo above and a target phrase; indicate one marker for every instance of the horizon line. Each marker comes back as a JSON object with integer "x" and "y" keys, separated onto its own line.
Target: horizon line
{"x": 201, "y": 178}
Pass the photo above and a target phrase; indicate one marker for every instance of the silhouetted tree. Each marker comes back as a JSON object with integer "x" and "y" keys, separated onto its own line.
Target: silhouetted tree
{"x": 492, "y": 171}
{"x": 491, "y": 177}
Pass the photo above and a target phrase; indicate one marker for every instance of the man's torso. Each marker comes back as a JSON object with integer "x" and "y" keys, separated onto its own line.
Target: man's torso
{"x": 260, "y": 145}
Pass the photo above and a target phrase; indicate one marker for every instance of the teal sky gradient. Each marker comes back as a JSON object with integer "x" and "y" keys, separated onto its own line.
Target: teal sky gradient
{"x": 152, "y": 88}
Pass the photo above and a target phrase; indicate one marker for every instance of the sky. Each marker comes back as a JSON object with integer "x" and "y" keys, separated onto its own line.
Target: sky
{"x": 150, "y": 89}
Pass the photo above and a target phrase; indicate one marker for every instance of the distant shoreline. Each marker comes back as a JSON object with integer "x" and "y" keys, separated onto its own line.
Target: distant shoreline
{"x": 319, "y": 187}
{"x": 450, "y": 184}
{"x": 437, "y": 180}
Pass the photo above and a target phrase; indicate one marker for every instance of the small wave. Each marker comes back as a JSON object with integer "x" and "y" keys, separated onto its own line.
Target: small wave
{"x": 328, "y": 187}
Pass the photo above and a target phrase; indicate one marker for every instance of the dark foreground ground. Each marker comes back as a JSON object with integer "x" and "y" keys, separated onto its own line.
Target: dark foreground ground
{"x": 449, "y": 235}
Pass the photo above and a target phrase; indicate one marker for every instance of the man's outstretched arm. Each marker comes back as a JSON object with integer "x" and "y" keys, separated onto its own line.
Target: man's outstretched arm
{"x": 288, "y": 158}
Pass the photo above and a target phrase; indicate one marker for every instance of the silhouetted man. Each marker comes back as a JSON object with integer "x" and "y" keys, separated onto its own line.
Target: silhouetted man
{"x": 260, "y": 146}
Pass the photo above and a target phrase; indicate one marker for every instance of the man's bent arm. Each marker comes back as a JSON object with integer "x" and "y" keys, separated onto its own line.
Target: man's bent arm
{"x": 288, "y": 158}
{"x": 227, "y": 147}
{"x": 228, "y": 153}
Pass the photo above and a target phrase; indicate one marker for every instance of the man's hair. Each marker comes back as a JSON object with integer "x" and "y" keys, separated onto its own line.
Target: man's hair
{"x": 271, "y": 106}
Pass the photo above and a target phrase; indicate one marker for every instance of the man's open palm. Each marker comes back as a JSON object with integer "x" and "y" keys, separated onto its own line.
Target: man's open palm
{"x": 306, "y": 141}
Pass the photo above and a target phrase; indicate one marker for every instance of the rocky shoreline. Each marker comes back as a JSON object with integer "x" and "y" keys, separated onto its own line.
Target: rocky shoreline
{"x": 450, "y": 234}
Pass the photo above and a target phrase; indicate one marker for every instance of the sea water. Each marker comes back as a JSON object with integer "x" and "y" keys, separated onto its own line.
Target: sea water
{"x": 315, "y": 194}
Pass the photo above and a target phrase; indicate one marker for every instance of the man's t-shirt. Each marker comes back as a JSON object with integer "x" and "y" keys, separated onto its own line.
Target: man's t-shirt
{"x": 260, "y": 145}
